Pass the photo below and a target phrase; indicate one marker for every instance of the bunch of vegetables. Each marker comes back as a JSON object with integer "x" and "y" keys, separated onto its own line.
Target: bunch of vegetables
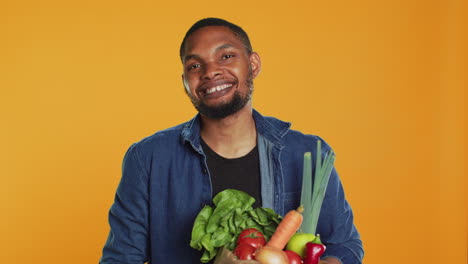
{"x": 234, "y": 225}
{"x": 307, "y": 243}
{"x": 220, "y": 226}
{"x": 251, "y": 244}
{"x": 272, "y": 252}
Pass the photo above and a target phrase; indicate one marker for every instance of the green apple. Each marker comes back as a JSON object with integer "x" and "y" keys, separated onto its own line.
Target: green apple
{"x": 298, "y": 241}
{"x": 317, "y": 240}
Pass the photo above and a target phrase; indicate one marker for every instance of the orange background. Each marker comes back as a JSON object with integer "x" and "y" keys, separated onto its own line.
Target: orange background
{"x": 384, "y": 82}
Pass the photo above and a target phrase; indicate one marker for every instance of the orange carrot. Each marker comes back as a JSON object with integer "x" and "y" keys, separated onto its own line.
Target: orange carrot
{"x": 286, "y": 228}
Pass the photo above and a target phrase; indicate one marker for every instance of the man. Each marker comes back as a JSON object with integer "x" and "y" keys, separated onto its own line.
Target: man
{"x": 168, "y": 177}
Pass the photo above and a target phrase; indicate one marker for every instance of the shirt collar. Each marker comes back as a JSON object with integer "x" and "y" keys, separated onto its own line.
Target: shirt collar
{"x": 269, "y": 127}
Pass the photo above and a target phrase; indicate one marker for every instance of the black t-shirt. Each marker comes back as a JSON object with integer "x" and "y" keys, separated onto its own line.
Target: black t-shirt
{"x": 239, "y": 173}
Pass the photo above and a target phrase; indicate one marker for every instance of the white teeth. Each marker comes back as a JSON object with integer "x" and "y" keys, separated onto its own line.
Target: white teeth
{"x": 218, "y": 88}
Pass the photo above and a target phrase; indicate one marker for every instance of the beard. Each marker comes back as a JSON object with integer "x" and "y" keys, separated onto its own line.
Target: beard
{"x": 237, "y": 102}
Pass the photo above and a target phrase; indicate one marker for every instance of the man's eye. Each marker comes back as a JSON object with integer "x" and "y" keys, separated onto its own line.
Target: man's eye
{"x": 193, "y": 66}
{"x": 227, "y": 56}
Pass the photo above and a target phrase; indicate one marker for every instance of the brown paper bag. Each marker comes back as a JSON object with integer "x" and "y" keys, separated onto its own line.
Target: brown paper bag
{"x": 225, "y": 256}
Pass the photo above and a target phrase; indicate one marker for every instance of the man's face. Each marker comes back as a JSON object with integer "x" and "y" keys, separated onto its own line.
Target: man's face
{"x": 218, "y": 71}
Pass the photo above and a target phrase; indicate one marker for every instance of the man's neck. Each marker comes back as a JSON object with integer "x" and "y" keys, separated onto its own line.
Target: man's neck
{"x": 233, "y": 136}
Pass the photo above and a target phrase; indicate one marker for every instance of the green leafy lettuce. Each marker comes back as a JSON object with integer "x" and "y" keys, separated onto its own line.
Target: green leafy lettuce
{"x": 232, "y": 213}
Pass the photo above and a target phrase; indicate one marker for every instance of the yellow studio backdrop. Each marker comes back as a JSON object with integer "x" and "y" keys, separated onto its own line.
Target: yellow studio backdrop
{"x": 384, "y": 82}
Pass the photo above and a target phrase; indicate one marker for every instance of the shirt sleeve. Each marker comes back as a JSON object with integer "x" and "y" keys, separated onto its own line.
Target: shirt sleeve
{"x": 128, "y": 216}
{"x": 339, "y": 233}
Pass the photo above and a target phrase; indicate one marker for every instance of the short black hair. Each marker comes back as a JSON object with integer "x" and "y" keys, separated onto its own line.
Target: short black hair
{"x": 211, "y": 21}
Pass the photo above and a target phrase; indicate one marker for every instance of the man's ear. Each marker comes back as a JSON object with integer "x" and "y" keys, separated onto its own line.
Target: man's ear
{"x": 183, "y": 82}
{"x": 255, "y": 63}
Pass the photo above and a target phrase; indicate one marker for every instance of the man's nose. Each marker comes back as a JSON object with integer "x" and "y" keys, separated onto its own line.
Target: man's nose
{"x": 211, "y": 71}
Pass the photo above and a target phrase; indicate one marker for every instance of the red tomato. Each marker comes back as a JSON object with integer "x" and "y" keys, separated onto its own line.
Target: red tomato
{"x": 293, "y": 257}
{"x": 244, "y": 251}
{"x": 251, "y": 236}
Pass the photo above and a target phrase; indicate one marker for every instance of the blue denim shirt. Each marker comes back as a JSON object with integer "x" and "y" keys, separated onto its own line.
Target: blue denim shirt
{"x": 165, "y": 183}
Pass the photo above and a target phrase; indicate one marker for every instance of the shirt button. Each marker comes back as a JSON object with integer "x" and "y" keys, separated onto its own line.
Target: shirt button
{"x": 205, "y": 171}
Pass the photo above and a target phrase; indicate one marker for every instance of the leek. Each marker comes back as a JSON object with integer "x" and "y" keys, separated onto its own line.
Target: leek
{"x": 312, "y": 198}
{"x": 306, "y": 195}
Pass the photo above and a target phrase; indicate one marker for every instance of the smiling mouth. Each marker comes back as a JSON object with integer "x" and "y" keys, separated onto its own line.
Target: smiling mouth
{"x": 217, "y": 88}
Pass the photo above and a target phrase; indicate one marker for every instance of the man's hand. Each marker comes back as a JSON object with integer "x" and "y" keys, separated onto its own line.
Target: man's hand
{"x": 329, "y": 260}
